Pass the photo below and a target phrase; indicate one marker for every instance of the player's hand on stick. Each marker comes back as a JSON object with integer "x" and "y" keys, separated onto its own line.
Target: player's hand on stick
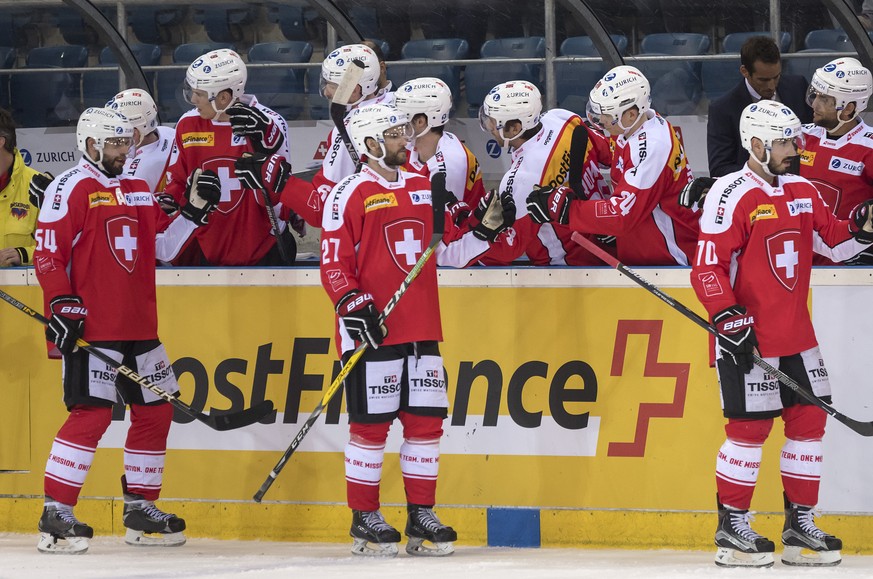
{"x": 361, "y": 319}
{"x": 546, "y": 204}
{"x": 736, "y": 338}
{"x": 267, "y": 172}
{"x": 66, "y": 323}
{"x": 694, "y": 193}
{"x": 495, "y": 214}
{"x": 862, "y": 221}
{"x": 203, "y": 192}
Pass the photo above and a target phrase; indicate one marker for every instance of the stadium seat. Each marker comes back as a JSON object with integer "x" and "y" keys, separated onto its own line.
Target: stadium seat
{"x": 99, "y": 87}
{"x": 676, "y": 86}
{"x": 223, "y": 22}
{"x": 290, "y": 19}
{"x": 733, "y": 42}
{"x": 576, "y": 79}
{"x": 154, "y": 24}
{"x": 805, "y": 66}
{"x": 282, "y": 90}
{"x": 481, "y": 78}
{"x": 831, "y": 39}
{"x": 12, "y": 28}
{"x": 76, "y": 30}
{"x": 48, "y": 100}
{"x": 171, "y": 103}
{"x": 431, "y": 49}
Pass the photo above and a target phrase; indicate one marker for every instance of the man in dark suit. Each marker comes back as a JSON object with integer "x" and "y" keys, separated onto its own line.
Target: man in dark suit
{"x": 761, "y": 67}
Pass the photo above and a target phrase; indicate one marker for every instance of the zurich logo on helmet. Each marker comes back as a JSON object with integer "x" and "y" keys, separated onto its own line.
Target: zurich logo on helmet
{"x": 119, "y": 130}
{"x": 788, "y": 131}
{"x": 840, "y": 74}
{"x": 753, "y": 108}
{"x": 496, "y": 97}
{"x": 340, "y": 61}
{"x": 786, "y": 112}
{"x": 334, "y": 54}
{"x": 829, "y": 67}
{"x": 207, "y": 69}
{"x": 609, "y": 77}
{"x": 392, "y": 119}
{"x": 408, "y": 88}
{"x": 197, "y": 63}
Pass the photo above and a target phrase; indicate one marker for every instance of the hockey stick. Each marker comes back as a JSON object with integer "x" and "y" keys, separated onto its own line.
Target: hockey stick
{"x": 274, "y": 223}
{"x": 438, "y": 201}
{"x": 862, "y": 428}
{"x": 341, "y": 97}
{"x": 230, "y": 421}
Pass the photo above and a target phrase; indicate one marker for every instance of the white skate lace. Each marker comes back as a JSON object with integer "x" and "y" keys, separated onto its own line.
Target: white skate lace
{"x": 155, "y": 513}
{"x": 375, "y": 520}
{"x": 807, "y": 524}
{"x": 429, "y": 520}
{"x": 67, "y": 516}
{"x": 740, "y": 522}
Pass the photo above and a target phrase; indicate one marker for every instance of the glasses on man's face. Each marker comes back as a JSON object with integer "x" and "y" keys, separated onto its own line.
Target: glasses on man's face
{"x": 125, "y": 142}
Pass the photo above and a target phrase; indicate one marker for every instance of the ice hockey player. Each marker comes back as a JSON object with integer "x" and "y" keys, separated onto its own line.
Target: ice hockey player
{"x": 98, "y": 236}
{"x": 759, "y": 228}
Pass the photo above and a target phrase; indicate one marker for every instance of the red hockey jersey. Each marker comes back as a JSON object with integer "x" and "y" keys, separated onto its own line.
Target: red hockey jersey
{"x": 649, "y": 170}
{"x": 98, "y": 237}
{"x": 239, "y": 232}
{"x": 755, "y": 249}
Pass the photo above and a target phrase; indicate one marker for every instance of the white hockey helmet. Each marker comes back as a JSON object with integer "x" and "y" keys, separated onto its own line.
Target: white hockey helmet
{"x": 101, "y": 124}
{"x": 371, "y": 122}
{"x": 846, "y": 80}
{"x": 620, "y": 89}
{"x": 516, "y": 100}
{"x": 216, "y": 71}
{"x": 334, "y": 66}
{"x": 769, "y": 121}
{"x": 139, "y": 108}
{"x": 427, "y": 96}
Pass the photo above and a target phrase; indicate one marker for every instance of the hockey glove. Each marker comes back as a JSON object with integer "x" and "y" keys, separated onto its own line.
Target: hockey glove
{"x": 167, "y": 202}
{"x": 694, "y": 193}
{"x": 736, "y": 336}
{"x": 545, "y": 204}
{"x": 267, "y": 172}
{"x": 459, "y": 210}
{"x": 361, "y": 319}
{"x": 495, "y": 214}
{"x": 67, "y": 322}
{"x": 263, "y": 134}
{"x": 606, "y": 240}
{"x": 38, "y": 184}
{"x": 861, "y": 220}
{"x": 203, "y": 193}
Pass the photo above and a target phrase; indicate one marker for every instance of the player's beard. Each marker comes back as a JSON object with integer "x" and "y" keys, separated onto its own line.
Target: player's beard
{"x": 397, "y": 159}
{"x": 113, "y": 167}
{"x": 828, "y": 124}
{"x": 793, "y": 166}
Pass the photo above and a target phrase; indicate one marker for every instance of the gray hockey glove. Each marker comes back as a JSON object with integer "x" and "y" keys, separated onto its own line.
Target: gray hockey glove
{"x": 361, "y": 318}
{"x": 203, "y": 193}
{"x": 495, "y": 214}
{"x": 545, "y": 204}
{"x": 36, "y": 190}
{"x": 736, "y": 336}
{"x": 67, "y": 322}
{"x": 263, "y": 134}
{"x": 695, "y": 192}
{"x": 861, "y": 221}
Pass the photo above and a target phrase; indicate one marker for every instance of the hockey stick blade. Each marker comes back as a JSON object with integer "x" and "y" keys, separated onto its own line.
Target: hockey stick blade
{"x": 862, "y": 428}
{"x": 438, "y": 203}
{"x": 351, "y": 77}
{"x": 228, "y": 421}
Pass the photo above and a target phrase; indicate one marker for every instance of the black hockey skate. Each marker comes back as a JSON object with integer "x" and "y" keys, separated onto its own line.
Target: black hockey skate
{"x": 61, "y": 532}
{"x": 738, "y": 545}
{"x": 801, "y": 534}
{"x": 373, "y": 536}
{"x": 141, "y": 516}
{"x": 423, "y": 525}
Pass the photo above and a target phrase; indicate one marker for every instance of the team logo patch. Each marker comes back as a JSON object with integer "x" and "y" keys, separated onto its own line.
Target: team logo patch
{"x": 405, "y": 242}
{"x": 337, "y": 279}
{"x": 198, "y": 140}
{"x": 99, "y": 198}
{"x": 19, "y": 210}
{"x": 121, "y": 233}
{"x": 807, "y": 158}
{"x": 711, "y": 285}
{"x": 784, "y": 257}
{"x": 846, "y": 166}
{"x": 763, "y": 212}
{"x": 231, "y": 188}
{"x": 380, "y": 201}
{"x": 798, "y": 206}
{"x": 420, "y": 197}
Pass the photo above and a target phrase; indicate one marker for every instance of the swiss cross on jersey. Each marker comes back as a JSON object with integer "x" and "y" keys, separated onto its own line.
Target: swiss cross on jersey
{"x": 121, "y": 233}
{"x": 405, "y": 241}
{"x": 231, "y": 188}
{"x": 783, "y": 256}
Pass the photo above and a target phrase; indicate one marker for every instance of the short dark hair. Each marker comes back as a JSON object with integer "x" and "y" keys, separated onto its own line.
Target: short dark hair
{"x": 759, "y": 48}
{"x": 7, "y": 129}
{"x": 380, "y": 56}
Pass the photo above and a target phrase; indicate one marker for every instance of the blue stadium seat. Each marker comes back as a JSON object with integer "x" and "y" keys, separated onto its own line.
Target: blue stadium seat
{"x": 75, "y": 29}
{"x": 576, "y": 79}
{"x": 831, "y": 39}
{"x": 805, "y": 66}
{"x": 171, "y": 103}
{"x": 290, "y": 19}
{"x": 35, "y": 98}
{"x": 223, "y": 22}
{"x": 733, "y": 42}
{"x": 12, "y": 27}
{"x": 432, "y": 49}
{"x": 481, "y": 78}
{"x": 99, "y": 87}
{"x": 676, "y": 86}
{"x": 282, "y": 90}
{"x": 153, "y": 24}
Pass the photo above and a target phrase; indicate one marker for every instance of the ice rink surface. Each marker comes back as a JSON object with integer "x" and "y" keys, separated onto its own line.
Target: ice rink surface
{"x": 109, "y": 557}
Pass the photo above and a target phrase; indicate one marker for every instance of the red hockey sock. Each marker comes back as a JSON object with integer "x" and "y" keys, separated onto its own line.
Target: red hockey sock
{"x": 146, "y": 448}
{"x": 73, "y": 451}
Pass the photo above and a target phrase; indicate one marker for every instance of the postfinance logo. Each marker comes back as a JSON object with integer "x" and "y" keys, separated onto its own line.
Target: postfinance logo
{"x": 99, "y": 198}
{"x": 206, "y": 139}
{"x": 380, "y": 201}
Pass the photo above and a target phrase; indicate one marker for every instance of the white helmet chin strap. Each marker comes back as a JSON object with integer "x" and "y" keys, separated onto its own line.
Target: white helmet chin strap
{"x": 218, "y": 112}
{"x": 841, "y": 123}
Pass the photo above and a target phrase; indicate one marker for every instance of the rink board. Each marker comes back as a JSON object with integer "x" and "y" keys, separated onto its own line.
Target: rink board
{"x": 574, "y": 396}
